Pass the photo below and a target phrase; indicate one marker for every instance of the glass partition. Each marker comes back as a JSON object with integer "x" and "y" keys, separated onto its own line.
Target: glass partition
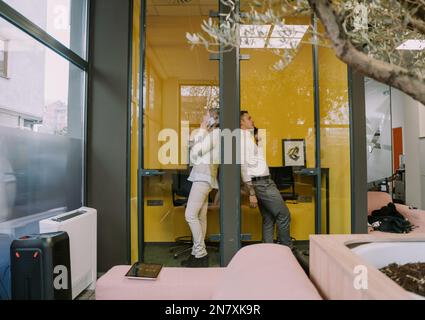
{"x": 281, "y": 103}
{"x": 180, "y": 85}
{"x": 394, "y": 143}
{"x": 288, "y": 106}
{"x": 378, "y": 131}
{"x": 41, "y": 124}
{"x": 65, "y": 20}
{"x": 134, "y": 130}
{"x": 335, "y": 143}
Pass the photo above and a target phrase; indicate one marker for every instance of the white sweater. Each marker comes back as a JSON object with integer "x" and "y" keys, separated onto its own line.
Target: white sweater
{"x": 205, "y": 157}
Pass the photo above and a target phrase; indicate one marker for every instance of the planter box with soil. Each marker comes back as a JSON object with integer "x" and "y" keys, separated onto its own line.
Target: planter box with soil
{"x": 402, "y": 262}
{"x": 335, "y": 262}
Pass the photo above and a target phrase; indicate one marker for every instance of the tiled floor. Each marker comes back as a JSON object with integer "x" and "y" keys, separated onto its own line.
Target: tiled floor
{"x": 162, "y": 254}
{"x": 87, "y": 295}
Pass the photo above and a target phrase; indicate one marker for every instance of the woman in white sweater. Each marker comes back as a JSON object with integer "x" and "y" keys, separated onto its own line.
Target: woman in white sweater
{"x": 205, "y": 157}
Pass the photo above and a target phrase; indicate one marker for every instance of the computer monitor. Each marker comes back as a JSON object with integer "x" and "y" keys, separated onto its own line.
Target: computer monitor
{"x": 284, "y": 179}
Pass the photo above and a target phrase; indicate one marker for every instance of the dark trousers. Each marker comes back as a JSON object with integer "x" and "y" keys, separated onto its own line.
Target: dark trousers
{"x": 274, "y": 211}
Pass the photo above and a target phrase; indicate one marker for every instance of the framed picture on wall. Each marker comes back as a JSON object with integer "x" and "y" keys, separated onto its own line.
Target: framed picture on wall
{"x": 293, "y": 152}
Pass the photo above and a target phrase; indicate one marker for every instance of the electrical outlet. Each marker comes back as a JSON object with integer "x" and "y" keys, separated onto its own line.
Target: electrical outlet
{"x": 155, "y": 203}
{"x": 305, "y": 199}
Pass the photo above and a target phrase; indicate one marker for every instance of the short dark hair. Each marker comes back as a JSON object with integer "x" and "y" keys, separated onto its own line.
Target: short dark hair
{"x": 243, "y": 112}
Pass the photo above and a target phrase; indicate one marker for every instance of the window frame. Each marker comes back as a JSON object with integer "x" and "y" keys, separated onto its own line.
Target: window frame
{"x": 4, "y": 73}
{"x": 23, "y": 23}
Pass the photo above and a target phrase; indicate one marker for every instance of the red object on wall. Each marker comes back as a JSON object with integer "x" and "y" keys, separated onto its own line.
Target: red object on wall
{"x": 397, "y": 146}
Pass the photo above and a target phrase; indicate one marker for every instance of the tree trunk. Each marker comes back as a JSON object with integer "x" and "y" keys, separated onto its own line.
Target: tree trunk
{"x": 381, "y": 71}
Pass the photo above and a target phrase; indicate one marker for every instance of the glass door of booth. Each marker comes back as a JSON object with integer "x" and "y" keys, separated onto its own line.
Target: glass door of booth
{"x": 301, "y": 110}
{"x": 281, "y": 103}
{"x": 179, "y": 85}
{"x": 299, "y": 104}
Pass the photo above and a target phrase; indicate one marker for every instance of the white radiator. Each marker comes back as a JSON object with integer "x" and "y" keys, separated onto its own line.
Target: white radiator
{"x": 81, "y": 226}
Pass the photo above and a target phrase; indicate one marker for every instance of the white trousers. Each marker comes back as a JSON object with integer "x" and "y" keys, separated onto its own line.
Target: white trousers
{"x": 196, "y": 216}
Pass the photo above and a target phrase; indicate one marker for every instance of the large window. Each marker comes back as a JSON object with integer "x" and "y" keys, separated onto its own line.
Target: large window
{"x": 179, "y": 86}
{"x": 42, "y": 104}
{"x": 65, "y": 20}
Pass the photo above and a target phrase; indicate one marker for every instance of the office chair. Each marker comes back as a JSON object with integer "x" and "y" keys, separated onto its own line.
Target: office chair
{"x": 284, "y": 179}
{"x": 180, "y": 194}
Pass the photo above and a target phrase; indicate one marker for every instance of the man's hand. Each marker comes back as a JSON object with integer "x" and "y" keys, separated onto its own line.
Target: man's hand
{"x": 253, "y": 202}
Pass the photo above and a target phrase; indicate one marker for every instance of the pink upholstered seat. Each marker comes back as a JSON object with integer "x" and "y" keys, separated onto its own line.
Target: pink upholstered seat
{"x": 265, "y": 272}
{"x": 262, "y": 271}
{"x": 172, "y": 284}
{"x": 376, "y": 200}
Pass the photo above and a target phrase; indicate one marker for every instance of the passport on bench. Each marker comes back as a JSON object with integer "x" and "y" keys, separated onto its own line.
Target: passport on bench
{"x": 144, "y": 271}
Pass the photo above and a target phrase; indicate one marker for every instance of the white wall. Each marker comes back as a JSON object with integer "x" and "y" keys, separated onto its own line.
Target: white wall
{"x": 35, "y": 10}
{"x": 397, "y": 111}
{"x": 422, "y": 122}
{"x": 415, "y": 172}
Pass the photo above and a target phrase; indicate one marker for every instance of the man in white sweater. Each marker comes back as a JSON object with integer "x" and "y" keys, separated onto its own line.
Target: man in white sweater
{"x": 262, "y": 190}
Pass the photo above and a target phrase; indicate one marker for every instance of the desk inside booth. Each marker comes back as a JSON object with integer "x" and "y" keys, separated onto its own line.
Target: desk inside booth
{"x": 165, "y": 195}
{"x": 298, "y": 189}
{"x": 165, "y": 215}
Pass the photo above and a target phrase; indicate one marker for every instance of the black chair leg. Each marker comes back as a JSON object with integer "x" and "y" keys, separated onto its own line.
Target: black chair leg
{"x": 183, "y": 245}
{"x": 182, "y": 251}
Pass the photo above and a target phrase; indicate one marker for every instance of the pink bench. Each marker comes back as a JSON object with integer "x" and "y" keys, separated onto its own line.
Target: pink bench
{"x": 376, "y": 200}
{"x": 256, "y": 272}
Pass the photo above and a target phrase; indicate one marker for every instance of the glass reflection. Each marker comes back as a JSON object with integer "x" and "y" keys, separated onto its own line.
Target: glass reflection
{"x": 41, "y": 139}
{"x": 181, "y": 84}
{"x": 65, "y": 20}
{"x": 41, "y": 130}
{"x": 282, "y": 103}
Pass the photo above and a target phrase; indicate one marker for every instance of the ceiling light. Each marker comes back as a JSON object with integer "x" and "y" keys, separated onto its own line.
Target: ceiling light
{"x": 289, "y": 31}
{"x": 281, "y": 37}
{"x": 254, "y": 30}
{"x": 412, "y": 44}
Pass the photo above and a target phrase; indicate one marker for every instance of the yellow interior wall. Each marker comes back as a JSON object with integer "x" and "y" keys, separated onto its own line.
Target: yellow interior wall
{"x": 170, "y": 62}
{"x": 153, "y": 111}
{"x": 168, "y": 54}
{"x": 282, "y": 102}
